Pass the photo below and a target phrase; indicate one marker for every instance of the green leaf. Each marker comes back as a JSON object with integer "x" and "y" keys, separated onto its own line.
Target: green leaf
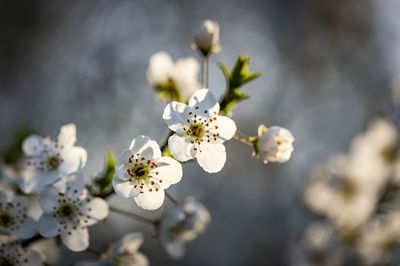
{"x": 103, "y": 181}
{"x": 235, "y": 79}
{"x": 13, "y": 151}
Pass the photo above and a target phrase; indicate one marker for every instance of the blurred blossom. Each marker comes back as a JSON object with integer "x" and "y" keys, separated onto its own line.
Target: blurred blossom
{"x": 50, "y": 160}
{"x": 124, "y": 253}
{"x": 12, "y": 253}
{"x": 341, "y": 199}
{"x": 318, "y": 236}
{"x": 206, "y": 37}
{"x": 143, "y": 173}
{"x": 182, "y": 224}
{"x": 319, "y": 247}
{"x": 357, "y": 193}
{"x": 346, "y": 189}
{"x": 200, "y": 132}
{"x": 372, "y": 153}
{"x": 379, "y": 239}
{"x": 274, "y": 144}
{"x": 14, "y": 217}
{"x": 173, "y": 81}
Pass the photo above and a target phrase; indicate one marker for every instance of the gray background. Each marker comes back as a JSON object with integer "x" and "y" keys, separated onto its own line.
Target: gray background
{"x": 326, "y": 68}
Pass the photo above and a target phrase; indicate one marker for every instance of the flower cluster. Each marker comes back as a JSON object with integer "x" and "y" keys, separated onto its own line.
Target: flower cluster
{"x": 358, "y": 193}
{"x": 45, "y": 195}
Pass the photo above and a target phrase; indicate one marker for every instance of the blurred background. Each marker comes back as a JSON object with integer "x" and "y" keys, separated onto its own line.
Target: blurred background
{"x": 326, "y": 70}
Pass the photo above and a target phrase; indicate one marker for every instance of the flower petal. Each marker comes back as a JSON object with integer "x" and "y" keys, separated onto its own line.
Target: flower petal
{"x": 212, "y": 157}
{"x": 205, "y": 101}
{"x": 34, "y": 181}
{"x": 97, "y": 209}
{"x": 169, "y": 170}
{"x": 32, "y": 145}
{"x": 150, "y": 200}
{"x": 76, "y": 240}
{"x": 175, "y": 249}
{"x": 74, "y": 159}
{"x": 67, "y": 136}
{"x": 48, "y": 199}
{"x": 181, "y": 148}
{"x": 26, "y": 230}
{"x": 185, "y": 75}
{"x": 48, "y": 225}
{"x": 175, "y": 115}
{"x": 124, "y": 188}
{"x": 140, "y": 260}
{"x": 142, "y": 142}
{"x": 160, "y": 65}
{"x": 33, "y": 258}
{"x": 130, "y": 243}
{"x": 225, "y": 127}
{"x": 74, "y": 186}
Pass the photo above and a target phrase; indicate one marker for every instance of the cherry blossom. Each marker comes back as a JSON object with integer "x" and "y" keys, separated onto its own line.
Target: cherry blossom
{"x": 199, "y": 131}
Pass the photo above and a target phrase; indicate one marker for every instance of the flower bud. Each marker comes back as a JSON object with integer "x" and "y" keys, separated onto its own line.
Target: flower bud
{"x": 206, "y": 37}
{"x": 274, "y": 144}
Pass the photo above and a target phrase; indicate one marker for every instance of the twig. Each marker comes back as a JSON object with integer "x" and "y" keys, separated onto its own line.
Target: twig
{"x": 134, "y": 216}
{"x": 242, "y": 138}
{"x": 205, "y": 71}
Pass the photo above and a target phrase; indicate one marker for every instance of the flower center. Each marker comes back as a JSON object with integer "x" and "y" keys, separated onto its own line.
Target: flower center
{"x": 6, "y": 219}
{"x": 196, "y": 131}
{"x": 389, "y": 154}
{"x": 142, "y": 173}
{"x": 66, "y": 211}
{"x": 348, "y": 189}
{"x": 53, "y": 162}
{"x": 139, "y": 171}
{"x": 124, "y": 258}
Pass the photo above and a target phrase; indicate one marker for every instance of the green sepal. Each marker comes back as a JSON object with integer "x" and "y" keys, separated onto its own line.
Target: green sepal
{"x": 167, "y": 91}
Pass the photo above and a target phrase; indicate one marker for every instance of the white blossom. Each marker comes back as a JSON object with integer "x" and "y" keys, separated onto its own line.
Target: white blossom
{"x": 174, "y": 81}
{"x": 274, "y": 144}
{"x": 12, "y": 253}
{"x": 68, "y": 211}
{"x": 142, "y": 173}
{"x": 182, "y": 224}
{"x": 199, "y": 130}
{"x": 206, "y": 37}
{"x": 14, "y": 217}
{"x": 50, "y": 160}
